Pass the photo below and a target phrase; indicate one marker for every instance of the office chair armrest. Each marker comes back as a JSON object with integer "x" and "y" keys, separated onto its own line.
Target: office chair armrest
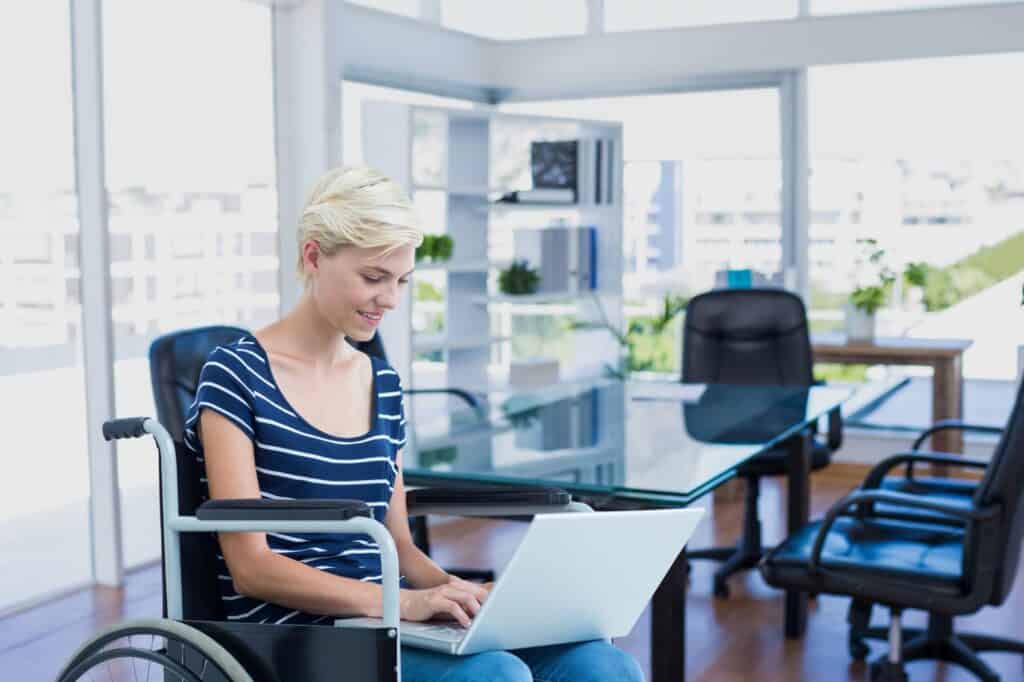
{"x": 880, "y": 470}
{"x": 952, "y": 424}
{"x": 281, "y": 510}
{"x": 488, "y": 501}
{"x": 859, "y": 497}
{"x": 470, "y": 399}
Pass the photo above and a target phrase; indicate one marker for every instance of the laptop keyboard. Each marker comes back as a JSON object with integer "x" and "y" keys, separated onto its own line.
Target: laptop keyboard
{"x": 445, "y": 630}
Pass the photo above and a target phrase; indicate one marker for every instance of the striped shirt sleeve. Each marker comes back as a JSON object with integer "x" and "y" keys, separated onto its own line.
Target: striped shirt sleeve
{"x": 224, "y": 388}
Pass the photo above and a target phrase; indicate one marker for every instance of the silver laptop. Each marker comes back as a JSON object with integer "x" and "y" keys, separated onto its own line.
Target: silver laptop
{"x": 574, "y": 577}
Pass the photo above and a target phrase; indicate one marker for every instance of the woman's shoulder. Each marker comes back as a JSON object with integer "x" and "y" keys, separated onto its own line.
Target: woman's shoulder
{"x": 243, "y": 357}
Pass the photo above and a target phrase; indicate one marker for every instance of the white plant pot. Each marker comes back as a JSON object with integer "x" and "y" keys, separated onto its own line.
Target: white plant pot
{"x": 860, "y": 325}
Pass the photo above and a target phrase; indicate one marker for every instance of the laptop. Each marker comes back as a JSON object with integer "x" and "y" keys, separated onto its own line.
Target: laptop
{"x": 574, "y": 577}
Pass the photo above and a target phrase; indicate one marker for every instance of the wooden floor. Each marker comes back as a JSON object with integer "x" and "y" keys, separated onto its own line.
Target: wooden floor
{"x": 739, "y": 638}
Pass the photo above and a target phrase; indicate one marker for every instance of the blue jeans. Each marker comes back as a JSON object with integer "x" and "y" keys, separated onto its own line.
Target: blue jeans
{"x": 596, "y": 661}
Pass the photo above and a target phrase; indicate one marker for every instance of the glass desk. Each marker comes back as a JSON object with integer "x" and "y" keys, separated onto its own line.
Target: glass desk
{"x": 622, "y": 445}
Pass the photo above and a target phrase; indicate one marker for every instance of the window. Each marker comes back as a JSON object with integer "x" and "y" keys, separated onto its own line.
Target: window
{"x": 516, "y": 20}
{"x": 925, "y": 158}
{"x": 638, "y": 15}
{"x": 859, "y": 6}
{"x": 190, "y": 164}
{"x": 44, "y": 490}
{"x": 701, "y": 192}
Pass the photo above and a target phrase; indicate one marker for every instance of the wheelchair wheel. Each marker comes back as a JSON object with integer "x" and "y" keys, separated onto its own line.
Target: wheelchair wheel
{"x": 160, "y": 650}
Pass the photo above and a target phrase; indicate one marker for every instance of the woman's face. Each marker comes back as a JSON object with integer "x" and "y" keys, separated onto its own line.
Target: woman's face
{"x": 355, "y": 287}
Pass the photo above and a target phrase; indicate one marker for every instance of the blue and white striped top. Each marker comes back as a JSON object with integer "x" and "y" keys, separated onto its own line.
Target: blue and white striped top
{"x": 295, "y": 460}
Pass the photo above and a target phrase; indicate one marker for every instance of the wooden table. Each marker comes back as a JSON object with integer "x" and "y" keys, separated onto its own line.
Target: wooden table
{"x": 944, "y": 356}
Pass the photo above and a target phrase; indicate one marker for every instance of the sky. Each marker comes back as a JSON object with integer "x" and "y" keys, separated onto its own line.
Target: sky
{"x": 189, "y": 99}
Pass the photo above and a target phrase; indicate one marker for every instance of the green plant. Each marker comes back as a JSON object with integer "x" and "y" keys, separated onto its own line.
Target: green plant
{"x": 874, "y": 278}
{"x": 435, "y": 248}
{"x": 916, "y": 274}
{"x": 426, "y": 249}
{"x": 644, "y": 341}
{"x": 443, "y": 247}
{"x": 518, "y": 278}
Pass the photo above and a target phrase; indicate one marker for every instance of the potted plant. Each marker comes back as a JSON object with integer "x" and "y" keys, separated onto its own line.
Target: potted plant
{"x": 873, "y": 279}
{"x": 673, "y": 305}
{"x": 436, "y": 248}
{"x": 518, "y": 279}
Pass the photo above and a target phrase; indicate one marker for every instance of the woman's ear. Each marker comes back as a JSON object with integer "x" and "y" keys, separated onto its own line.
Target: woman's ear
{"x": 310, "y": 257}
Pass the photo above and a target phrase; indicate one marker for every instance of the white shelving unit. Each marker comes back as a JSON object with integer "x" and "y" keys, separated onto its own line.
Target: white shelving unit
{"x": 463, "y": 160}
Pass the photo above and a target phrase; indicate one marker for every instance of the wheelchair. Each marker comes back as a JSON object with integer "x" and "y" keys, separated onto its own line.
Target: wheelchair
{"x": 195, "y": 641}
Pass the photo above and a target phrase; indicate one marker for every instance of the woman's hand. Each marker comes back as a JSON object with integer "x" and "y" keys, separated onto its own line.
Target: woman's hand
{"x": 457, "y": 599}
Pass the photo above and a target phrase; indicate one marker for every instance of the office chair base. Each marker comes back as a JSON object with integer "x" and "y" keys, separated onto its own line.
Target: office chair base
{"x": 746, "y": 555}
{"x": 939, "y": 642}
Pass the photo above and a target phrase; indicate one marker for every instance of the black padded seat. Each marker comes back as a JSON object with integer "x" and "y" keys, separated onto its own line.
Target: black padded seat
{"x": 921, "y": 555}
{"x": 956, "y": 492}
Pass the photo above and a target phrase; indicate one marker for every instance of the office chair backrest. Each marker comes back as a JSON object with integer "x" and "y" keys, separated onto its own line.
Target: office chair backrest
{"x": 1003, "y": 486}
{"x": 747, "y": 336}
{"x": 175, "y": 361}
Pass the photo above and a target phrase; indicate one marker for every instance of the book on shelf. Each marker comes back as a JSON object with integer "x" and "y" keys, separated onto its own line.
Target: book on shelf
{"x": 553, "y": 165}
{"x": 586, "y": 167}
{"x": 565, "y": 257}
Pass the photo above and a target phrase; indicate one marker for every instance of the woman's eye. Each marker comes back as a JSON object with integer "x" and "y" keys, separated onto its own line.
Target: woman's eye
{"x": 371, "y": 279}
{"x": 403, "y": 281}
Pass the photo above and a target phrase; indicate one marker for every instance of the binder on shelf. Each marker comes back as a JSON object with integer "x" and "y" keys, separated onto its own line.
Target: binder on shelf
{"x": 565, "y": 257}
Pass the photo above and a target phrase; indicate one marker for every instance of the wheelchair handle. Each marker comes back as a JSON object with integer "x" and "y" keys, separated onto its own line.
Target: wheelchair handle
{"x": 129, "y": 427}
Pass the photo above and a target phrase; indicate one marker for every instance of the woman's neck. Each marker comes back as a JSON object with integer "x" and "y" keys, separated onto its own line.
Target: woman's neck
{"x": 307, "y": 335}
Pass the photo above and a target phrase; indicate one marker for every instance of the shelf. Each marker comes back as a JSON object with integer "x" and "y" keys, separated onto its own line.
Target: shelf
{"x": 532, "y": 299}
{"x": 452, "y": 266}
{"x": 425, "y": 343}
{"x": 478, "y": 192}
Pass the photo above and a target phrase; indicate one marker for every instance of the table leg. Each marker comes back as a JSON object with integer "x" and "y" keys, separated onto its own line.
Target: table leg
{"x": 798, "y": 513}
{"x": 947, "y": 402}
{"x": 668, "y": 624}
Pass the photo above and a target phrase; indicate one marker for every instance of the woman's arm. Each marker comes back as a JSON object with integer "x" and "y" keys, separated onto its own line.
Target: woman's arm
{"x": 418, "y": 568}
{"x": 256, "y": 570}
{"x": 259, "y": 573}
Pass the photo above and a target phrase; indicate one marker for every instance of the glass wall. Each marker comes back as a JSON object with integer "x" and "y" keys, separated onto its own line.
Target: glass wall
{"x": 44, "y": 489}
{"x": 193, "y": 204}
{"x": 923, "y": 161}
{"x": 638, "y": 15}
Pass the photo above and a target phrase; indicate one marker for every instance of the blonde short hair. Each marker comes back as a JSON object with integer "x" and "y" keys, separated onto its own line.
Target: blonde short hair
{"x": 357, "y": 206}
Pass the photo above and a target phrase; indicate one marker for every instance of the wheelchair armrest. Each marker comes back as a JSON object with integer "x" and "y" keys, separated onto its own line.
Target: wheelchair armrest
{"x": 486, "y": 500}
{"x": 859, "y": 497}
{"x": 880, "y": 470}
{"x": 281, "y": 510}
{"x": 952, "y": 424}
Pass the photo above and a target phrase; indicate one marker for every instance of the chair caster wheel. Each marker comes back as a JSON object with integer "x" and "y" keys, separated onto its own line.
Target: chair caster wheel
{"x": 721, "y": 589}
{"x": 884, "y": 671}
{"x": 858, "y": 649}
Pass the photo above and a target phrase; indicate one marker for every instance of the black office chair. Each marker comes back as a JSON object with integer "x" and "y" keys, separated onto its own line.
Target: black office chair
{"x": 751, "y": 336}
{"x": 946, "y": 568}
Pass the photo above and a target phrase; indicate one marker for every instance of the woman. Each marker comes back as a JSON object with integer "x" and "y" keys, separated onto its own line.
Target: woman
{"x": 294, "y": 411}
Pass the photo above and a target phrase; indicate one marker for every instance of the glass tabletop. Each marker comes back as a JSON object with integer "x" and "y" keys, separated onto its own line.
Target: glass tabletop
{"x": 657, "y": 442}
